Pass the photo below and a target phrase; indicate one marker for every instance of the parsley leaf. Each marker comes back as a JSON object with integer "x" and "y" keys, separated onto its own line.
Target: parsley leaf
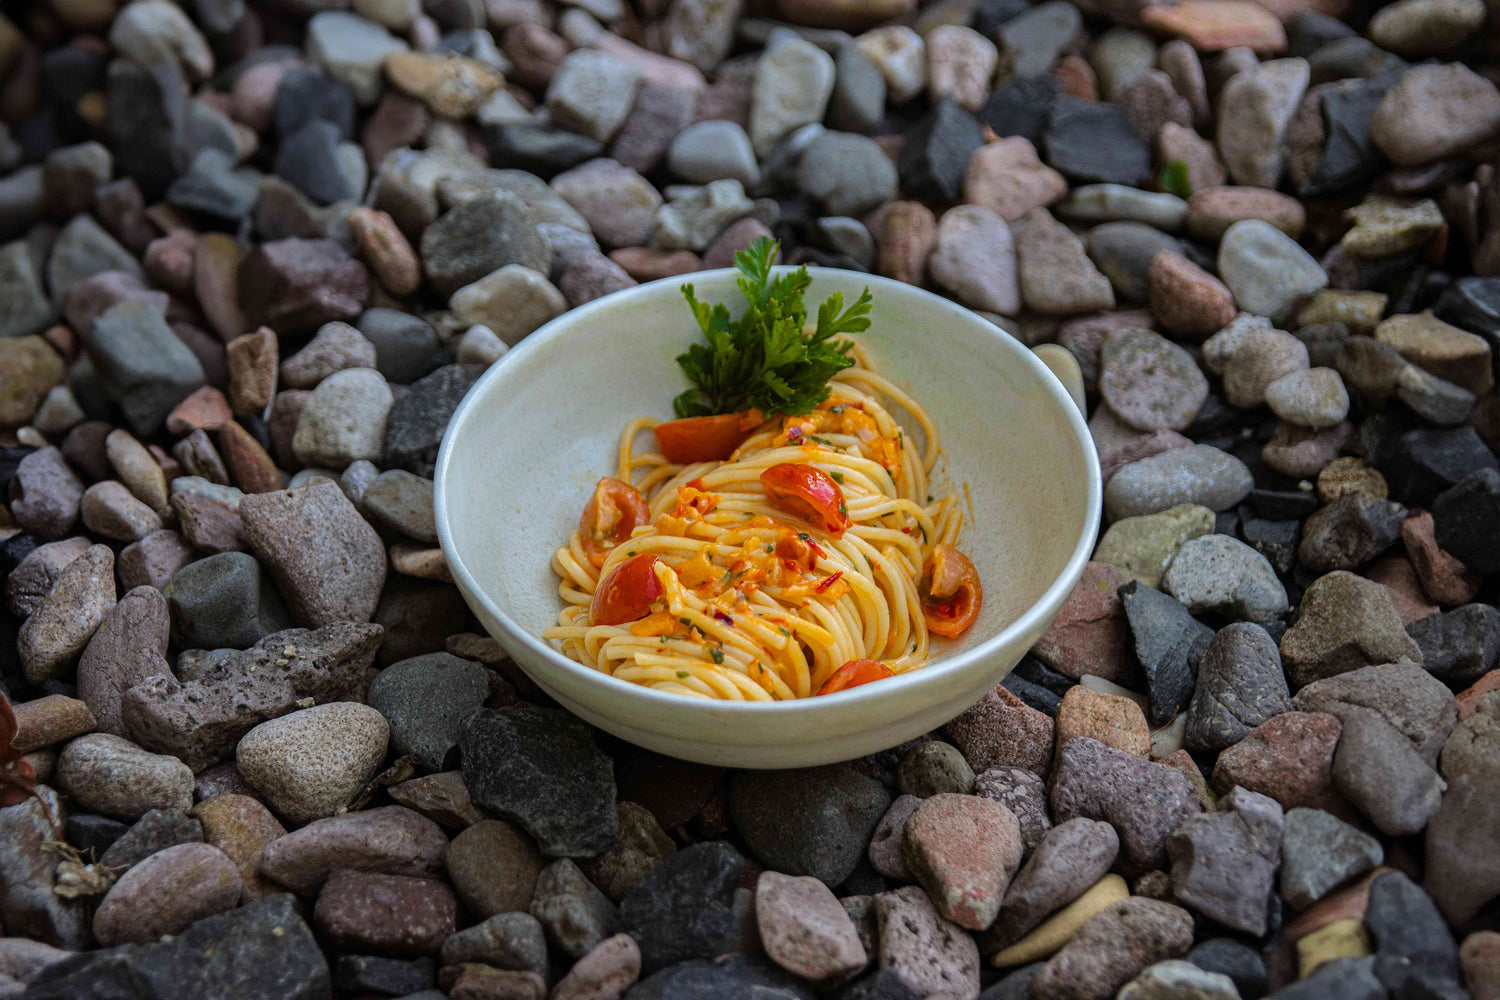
{"x": 764, "y": 360}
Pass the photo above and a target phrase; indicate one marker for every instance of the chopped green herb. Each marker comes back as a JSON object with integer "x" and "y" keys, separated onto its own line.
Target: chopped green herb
{"x": 717, "y": 654}
{"x": 683, "y": 673}
{"x": 838, "y": 477}
{"x": 843, "y": 508}
{"x": 784, "y": 631}
{"x": 1174, "y": 179}
{"x": 763, "y": 360}
{"x": 770, "y": 548}
{"x": 631, "y": 552}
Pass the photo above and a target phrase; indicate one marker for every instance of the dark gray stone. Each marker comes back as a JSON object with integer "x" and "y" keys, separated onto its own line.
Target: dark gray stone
{"x": 364, "y": 975}
{"x": 421, "y": 414}
{"x": 305, "y": 95}
{"x": 1459, "y": 646}
{"x": 684, "y": 909}
{"x": 261, "y": 951}
{"x": 1092, "y": 142}
{"x": 224, "y": 601}
{"x": 1224, "y": 863}
{"x": 936, "y": 150}
{"x": 1464, "y": 517}
{"x": 426, "y": 700}
{"x": 1320, "y": 852}
{"x": 1349, "y": 533}
{"x": 540, "y": 768}
{"x": 214, "y": 185}
{"x": 1169, "y": 644}
{"x": 1234, "y": 959}
{"x": 1022, "y": 106}
{"x": 480, "y": 236}
{"x": 308, "y": 159}
{"x": 538, "y": 149}
{"x": 143, "y": 366}
{"x": 156, "y": 830}
{"x": 1415, "y": 954}
{"x": 406, "y": 347}
{"x": 575, "y": 915}
{"x": 1240, "y": 685}
{"x": 816, "y": 821}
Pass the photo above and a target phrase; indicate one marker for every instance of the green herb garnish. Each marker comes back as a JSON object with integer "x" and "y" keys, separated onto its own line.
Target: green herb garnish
{"x": 763, "y": 360}
{"x": 1174, "y": 179}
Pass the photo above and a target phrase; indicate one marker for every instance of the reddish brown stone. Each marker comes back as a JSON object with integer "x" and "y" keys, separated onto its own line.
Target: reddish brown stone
{"x": 1114, "y": 721}
{"x": 52, "y": 719}
{"x": 396, "y": 914}
{"x": 386, "y": 250}
{"x": 252, "y": 359}
{"x": 249, "y": 466}
{"x": 1003, "y": 731}
{"x": 1088, "y": 635}
{"x": 645, "y": 264}
{"x": 1468, "y": 699}
{"x": 905, "y": 233}
{"x": 1187, "y": 299}
{"x": 1216, "y": 25}
{"x": 1397, "y": 575}
{"x": 1444, "y": 578}
{"x": 1289, "y": 758}
{"x": 296, "y": 285}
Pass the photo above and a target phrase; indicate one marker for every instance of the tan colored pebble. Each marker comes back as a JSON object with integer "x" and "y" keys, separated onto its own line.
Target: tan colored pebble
{"x": 49, "y": 720}
{"x": 1341, "y": 939}
{"x": 1057, "y": 930}
{"x": 386, "y": 249}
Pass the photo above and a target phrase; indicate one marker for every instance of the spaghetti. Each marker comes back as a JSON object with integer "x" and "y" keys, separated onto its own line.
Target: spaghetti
{"x": 809, "y": 560}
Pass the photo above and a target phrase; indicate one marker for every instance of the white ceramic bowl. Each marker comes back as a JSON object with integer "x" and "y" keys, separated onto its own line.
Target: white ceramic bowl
{"x": 527, "y": 444}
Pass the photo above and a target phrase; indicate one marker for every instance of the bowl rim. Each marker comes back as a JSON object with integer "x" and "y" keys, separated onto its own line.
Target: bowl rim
{"x": 1041, "y": 611}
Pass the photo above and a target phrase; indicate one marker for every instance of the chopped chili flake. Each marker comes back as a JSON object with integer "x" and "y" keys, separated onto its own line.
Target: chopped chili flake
{"x": 830, "y": 581}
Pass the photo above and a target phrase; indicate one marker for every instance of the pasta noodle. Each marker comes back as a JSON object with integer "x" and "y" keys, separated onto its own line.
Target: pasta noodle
{"x": 755, "y": 602}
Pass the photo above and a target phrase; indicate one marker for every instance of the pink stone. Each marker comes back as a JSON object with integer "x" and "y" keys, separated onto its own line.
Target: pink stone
{"x": 1003, "y": 731}
{"x": 805, "y": 930}
{"x": 964, "y": 850}
{"x": 1088, "y": 635}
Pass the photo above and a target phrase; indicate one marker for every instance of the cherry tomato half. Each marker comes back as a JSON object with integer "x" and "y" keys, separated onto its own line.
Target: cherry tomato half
{"x": 952, "y": 593}
{"x": 612, "y": 513}
{"x": 809, "y": 493}
{"x": 704, "y": 439}
{"x": 625, "y": 595}
{"x": 854, "y": 673}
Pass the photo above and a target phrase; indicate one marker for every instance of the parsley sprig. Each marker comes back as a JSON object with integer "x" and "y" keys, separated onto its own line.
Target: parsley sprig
{"x": 763, "y": 360}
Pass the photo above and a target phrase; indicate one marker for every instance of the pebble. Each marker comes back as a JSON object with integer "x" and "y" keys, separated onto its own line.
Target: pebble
{"x": 960, "y": 65}
{"x": 149, "y": 369}
{"x": 50, "y": 719}
{"x": 224, "y": 601}
{"x": 1301, "y": 452}
{"x": 1261, "y": 358}
{"x": 1198, "y": 474}
{"x": 964, "y": 850}
{"x": 335, "y": 348}
{"x": 155, "y": 831}
{"x": 886, "y": 843}
{"x": 1088, "y": 634}
{"x": 1169, "y": 644}
{"x": 811, "y": 822}
{"x": 1114, "y": 946}
{"x": 113, "y": 776}
{"x": 1344, "y": 623}
{"x": 901, "y": 56}
{"x": 848, "y": 174}
{"x": 1070, "y": 859}
{"x": 494, "y": 867}
{"x": 326, "y": 560}
{"x": 642, "y": 844}
{"x": 1144, "y": 546}
{"x": 1461, "y": 874}
{"x": 66, "y": 619}
{"x": 1057, "y": 930}
{"x": 564, "y": 800}
{"x": 45, "y": 493}
{"x": 574, "y": 913}
{"x": 33, "y": 372}
{"x": 935, "y": 152}
{"x": 933, "y": 768}
{"x": 1224, "y": 863}
{"x": 931, "y": 955}
{"x": 1056, "y": 275}
{"x": 1446, "y": 351}
{"x": 512, "y": 941}
{"x": 1313, "y": 397}
{"x": 394, "y": 914}
{"x": 974, "y": 257}
{"x": 618, "y": 203}
{"x": 1149, "y": 382}
{"x": 32, "y": 578}
{"x": 1265, "y": 269}
{"x": 684, "y": 908}
{"x": 1117, "y": 202}
{"x": 389, "y": 839}
{"x": 1002, "y": 731}
{"x": 1179, "y": 978}
{"x": 1289, "y": 758}
{"x": 351, "y": 50}
{"x": 1349, "y": 532}
{"x": 1094, "y": 143}
{"x": 1254, "y": 109}
{"x": 804, "y": 929}
{"x": 793, "y": 82}
{"x": 1114, "y": 721}
{"x": 1024, "y": 794}
{"x": 1143, "y": 800}
{"x": 402, "y": 502}
{"x": 386, "y": 250}
{"x": 1187, "y": 299}
{"x": 713, "y": 150}
{"x": 1320, "y": 852}
{"x": 296, "y": 285}
{"x": 479, "y": 236}
{"x": 166, "y": 893}
{"x": 692, "y": 220}
{"x": 1435, "y": 111}
{"x": 241, "y": 827}
{"x": 309, "y": 764}
{"x": 1240, "y": 686}
{"x": 109, "y": 509}
{"x": 1217, "y": 573}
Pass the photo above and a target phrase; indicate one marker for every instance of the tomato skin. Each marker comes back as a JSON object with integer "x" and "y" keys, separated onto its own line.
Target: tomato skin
{"x": 952, "y": 593}
{"x": 626, "y": 594}
{"x": 854, "y": 673}
{"x": 704, "y": 439}
{"x": 809, "y": 493}
{"x": 614, "y": 511}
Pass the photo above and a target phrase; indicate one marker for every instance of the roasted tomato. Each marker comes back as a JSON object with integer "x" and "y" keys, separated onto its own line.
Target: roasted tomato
{"x": 612, "y": 513}
{"x": 705, "y": 439}
{"x": 809, "y": 493}
{"x": 627, "y": 593}
{"x": 951, "y": 592}
{"x": 854, "y": 673}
